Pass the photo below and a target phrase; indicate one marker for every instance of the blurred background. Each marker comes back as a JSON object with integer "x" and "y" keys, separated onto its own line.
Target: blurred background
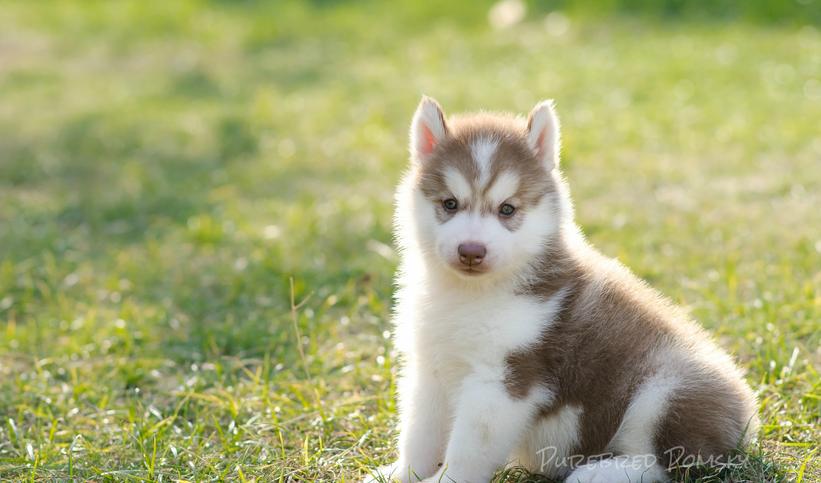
{"x": 195, "y": 210}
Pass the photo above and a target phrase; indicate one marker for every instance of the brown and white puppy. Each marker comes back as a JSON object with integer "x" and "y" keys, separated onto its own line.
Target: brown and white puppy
{"x": 521, "y": 343}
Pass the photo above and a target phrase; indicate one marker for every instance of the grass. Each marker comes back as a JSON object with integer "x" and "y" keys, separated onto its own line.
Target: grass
{"x": 195, "y": 202}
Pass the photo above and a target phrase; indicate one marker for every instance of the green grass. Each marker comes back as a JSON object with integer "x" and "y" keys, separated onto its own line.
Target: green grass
{"x": 167, "y": 168}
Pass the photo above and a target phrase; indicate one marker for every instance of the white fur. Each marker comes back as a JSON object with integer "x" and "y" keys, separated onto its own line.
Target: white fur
{"x": 635, "y": 433}
{"x": 482, "y": 151}
{"x": 454, "y": 406}
{"x": 547, "y": 446}
{"x": 459, "y": 186}
{"x": 620, "y": 469}
{"x": 488, "y": 425}
{"x": 503, "y": 187}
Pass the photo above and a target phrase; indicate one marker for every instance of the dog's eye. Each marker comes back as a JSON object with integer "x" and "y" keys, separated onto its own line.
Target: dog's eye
{"x": 507, "y": 209}
{"x": 450, "y": 205}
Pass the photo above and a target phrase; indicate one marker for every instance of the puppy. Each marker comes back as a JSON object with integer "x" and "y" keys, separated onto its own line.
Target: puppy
{"x": 523, "y": 345}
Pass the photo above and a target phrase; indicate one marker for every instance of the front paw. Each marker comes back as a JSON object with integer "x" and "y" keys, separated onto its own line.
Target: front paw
{"x": 439, "y": 477}
{"x": 445, "y": 475}
{"x": 396, "y": 471}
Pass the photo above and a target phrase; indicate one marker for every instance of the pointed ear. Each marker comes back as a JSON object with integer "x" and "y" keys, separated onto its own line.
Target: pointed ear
{"x": 543, "y": 133}
{"x": 428, "y": 129}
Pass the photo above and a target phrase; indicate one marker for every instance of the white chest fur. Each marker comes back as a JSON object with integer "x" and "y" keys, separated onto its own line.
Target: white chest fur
{"x": 452, "y": 390}
{"x": 457, "y": 332}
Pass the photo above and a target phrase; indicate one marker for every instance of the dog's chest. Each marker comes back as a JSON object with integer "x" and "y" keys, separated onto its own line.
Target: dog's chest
{"x": 459, "y": 332}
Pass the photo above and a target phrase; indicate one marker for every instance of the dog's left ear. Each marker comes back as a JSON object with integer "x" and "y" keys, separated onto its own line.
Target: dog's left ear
{"x": 428, "y": 129}
{"x": 543, "y": 133}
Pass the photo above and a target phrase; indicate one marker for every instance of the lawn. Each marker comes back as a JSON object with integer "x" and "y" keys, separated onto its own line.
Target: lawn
{"x": 195, "y": 215}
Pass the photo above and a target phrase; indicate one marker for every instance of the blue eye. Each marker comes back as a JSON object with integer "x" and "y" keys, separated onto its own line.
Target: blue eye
{"x": 507, "y": 209}
{"x": 450, "y": 205}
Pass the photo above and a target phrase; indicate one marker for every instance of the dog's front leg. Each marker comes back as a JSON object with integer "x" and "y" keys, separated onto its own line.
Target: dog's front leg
{"x": 488, "y": 425}
{"x": 423, "y": 421}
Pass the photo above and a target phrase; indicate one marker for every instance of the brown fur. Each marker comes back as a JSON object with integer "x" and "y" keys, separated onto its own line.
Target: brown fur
{"x": 599, "y": 350}
{"x": 708, "y": 420}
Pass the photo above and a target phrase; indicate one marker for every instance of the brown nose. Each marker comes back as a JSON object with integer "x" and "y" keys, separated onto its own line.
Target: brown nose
{"x": 471, "y": 253}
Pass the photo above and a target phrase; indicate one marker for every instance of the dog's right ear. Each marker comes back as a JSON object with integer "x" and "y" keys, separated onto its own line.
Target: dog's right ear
{"x": 428, "y": 129}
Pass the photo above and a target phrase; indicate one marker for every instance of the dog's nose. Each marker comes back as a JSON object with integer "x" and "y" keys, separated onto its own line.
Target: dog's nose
{"x": 471, "y": 253}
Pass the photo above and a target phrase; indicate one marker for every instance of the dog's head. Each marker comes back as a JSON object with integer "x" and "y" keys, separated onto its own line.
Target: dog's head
{"x": 484, "y": 188}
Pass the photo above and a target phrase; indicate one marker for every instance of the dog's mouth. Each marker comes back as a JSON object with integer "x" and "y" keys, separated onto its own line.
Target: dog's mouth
{"x": 471, "y": 271}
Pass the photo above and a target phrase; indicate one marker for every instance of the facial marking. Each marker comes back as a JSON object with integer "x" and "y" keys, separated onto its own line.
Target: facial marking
{"x": 458, "y": 185}
{"x": 502, "y": 187}
{"x": 482, "y": 150}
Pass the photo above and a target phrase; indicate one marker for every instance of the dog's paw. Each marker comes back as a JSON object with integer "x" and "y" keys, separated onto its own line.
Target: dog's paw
{"x": 390, "y": 473}
{"x": 589, "y": 474}
{"x": 618, "y": 470}
{"x": 449, "y": 475}
{"x": 439, "y": 478}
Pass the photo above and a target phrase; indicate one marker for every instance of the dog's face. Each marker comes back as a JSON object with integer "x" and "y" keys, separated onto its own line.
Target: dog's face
{"x": 485, "y": 195}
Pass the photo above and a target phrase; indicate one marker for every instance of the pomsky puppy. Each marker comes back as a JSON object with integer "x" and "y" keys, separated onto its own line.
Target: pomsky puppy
{"x": 523, "y": 345}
